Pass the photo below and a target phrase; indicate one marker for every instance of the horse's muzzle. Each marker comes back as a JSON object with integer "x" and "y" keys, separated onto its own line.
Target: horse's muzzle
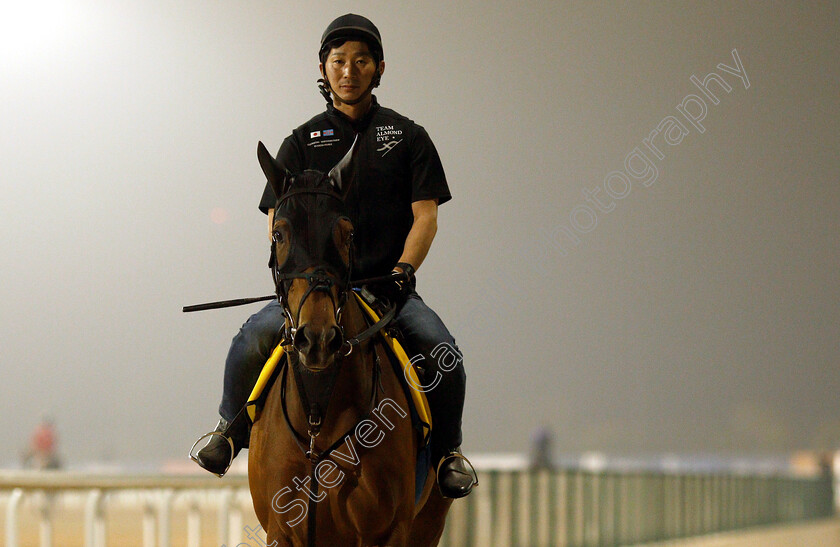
{"x": 317, "y": 347}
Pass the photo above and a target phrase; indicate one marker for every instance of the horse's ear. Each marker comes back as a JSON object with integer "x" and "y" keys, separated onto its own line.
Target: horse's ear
{"x": 341, "y": 176}
{"x": 276, "y": 176}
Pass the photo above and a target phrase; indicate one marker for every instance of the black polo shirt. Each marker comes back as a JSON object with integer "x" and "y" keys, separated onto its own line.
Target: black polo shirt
{"x": 397, "y": 165}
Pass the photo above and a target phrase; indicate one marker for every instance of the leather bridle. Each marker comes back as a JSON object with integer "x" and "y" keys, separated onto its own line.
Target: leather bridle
{"x": 318, "y": 280}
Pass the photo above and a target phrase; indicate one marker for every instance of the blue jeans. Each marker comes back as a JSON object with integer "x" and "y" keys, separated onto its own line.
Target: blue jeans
{"x": 427, "y": 340}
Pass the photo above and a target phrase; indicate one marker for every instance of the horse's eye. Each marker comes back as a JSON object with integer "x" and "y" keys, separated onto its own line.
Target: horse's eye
{"x": 277, "y": 236}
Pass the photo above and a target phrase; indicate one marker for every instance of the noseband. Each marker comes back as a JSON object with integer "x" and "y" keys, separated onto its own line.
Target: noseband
{"x": 317, "y": 281}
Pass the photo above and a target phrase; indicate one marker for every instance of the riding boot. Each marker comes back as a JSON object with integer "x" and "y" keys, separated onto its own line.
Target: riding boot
{"x": 455, "y": 475}
{"x": 225, "y": 443}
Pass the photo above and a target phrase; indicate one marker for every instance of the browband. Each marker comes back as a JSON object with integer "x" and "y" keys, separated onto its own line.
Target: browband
{"x": 323, "y": 191}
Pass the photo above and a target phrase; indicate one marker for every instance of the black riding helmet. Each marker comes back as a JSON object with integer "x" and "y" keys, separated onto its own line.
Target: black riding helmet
{"x": 352, "y": 26}
{"x": 349, "y": 27}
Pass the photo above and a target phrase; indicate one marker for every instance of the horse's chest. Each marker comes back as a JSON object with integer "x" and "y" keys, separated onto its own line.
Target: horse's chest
{"x": 352, "y": 500}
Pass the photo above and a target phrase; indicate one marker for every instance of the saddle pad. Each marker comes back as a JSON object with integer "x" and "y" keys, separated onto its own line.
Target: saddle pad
{"x": 263, "y": 380}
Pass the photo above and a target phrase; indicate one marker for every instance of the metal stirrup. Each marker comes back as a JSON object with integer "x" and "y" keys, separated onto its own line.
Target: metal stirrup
{"x": 206, "y": 435}
{"x": 456, "y": 455}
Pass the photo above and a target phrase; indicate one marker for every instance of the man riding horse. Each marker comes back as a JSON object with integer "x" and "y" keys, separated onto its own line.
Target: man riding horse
{"x": 393, "y": 207}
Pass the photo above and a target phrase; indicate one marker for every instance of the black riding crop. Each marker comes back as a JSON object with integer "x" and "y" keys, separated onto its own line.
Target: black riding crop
{"x": 242, "y": 301}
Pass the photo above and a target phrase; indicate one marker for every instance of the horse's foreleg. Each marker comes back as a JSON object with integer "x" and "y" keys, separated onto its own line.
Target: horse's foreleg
{"x": 398, "y": 536}
{"x": 280, "y": 541}
{"x": 428, "y": 524}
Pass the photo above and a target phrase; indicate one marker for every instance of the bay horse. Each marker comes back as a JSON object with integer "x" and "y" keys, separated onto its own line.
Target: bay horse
{"x": 333, "y": 453}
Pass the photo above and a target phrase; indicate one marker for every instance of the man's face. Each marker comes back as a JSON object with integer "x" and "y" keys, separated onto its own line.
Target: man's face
{"x": 350, "y": 69}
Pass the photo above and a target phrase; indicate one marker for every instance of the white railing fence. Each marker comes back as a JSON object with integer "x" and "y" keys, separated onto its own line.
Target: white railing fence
{"x": 151, "y": 500}
{"x": 511, "y": 507}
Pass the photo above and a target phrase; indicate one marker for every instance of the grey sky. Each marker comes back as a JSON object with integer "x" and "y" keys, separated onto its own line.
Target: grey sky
{"x": 700, "y": 313}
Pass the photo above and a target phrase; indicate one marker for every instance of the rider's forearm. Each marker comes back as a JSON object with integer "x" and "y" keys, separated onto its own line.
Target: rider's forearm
{"x": 422, "y": 233}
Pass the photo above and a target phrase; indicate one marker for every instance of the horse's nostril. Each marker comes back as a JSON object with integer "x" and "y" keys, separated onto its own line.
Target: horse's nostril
{"x": 333, "y": 339}
{"x": 302, "y": 340}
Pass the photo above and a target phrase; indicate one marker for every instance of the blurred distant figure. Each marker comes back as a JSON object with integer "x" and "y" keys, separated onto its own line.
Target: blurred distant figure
{"x": 826, "y": 463}
{"x": 541, "y": 441}
{"x": 42, "y": 453}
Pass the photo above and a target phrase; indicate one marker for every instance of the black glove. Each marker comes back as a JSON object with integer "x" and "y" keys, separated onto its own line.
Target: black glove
{"x": 397, "y": 291}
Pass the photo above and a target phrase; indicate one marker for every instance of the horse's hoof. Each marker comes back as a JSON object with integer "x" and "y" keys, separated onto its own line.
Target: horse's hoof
{"x": 456, "y": 476}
